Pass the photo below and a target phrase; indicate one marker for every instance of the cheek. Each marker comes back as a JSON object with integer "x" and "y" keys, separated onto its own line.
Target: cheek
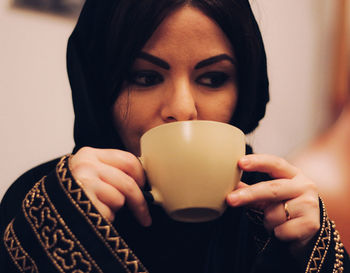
{"x": 123, "y": 122}
{"x": 120, "y": 111}
{"x": 219, "y": 106}
{"x": 134, "y": 113}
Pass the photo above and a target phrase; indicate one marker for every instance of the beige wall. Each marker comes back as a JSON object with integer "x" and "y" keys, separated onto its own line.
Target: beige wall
{"x": 298, "y": 38}
{"x": 36, "y": 113}
{"x": 35, "y": 110}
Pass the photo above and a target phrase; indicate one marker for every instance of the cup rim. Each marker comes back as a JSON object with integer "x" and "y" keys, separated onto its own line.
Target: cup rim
{"x": 175, "y": 123}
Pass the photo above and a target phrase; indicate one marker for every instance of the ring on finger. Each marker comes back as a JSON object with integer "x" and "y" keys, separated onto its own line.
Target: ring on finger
{"x": 286, "y": 211}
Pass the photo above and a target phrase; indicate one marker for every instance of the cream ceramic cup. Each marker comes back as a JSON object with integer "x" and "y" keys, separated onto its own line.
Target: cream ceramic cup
{"x": 192, "y": 166}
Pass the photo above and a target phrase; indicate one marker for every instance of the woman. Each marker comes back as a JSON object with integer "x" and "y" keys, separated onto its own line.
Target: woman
{"x": 134, "y": 65}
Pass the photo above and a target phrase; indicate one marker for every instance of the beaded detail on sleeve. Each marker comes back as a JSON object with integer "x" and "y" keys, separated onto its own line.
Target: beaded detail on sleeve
{"x": 102, "y": 227}
{"x": 339, "y": 251}
{"x": 59, "y": 243}
{"x": 19, "y": 256}
{"x": 323, "y": 244}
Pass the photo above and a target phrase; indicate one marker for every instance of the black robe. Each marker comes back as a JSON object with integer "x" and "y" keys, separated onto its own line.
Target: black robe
{"x": 49, "y": 225}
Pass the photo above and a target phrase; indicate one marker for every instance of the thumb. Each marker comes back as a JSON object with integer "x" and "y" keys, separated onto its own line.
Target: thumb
{"x": 241, "y": 185}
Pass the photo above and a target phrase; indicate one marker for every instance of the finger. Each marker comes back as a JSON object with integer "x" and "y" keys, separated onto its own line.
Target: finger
{"x": 241, "y": 185}
{"x": 110, "y": 196}
{"x": 102, "y": 208}
{"x": 274, "y": 215}
{"x": 267, "y": 191}
{"x": 127, "y": 186}
{"x": 87, "y": 158}
{"x": 275, "y": 166}
{"x": 300, "y": 229}
{"x": 124, "y": 161}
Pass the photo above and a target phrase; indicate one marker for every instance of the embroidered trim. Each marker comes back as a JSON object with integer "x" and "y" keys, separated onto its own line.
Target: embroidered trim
{"x": 320, "y": 249}
{"x": 18, "y": 255}
{"x": 339, "y": 251}
{"x": 59, "y": 243}
{"x": 107, "y": 233}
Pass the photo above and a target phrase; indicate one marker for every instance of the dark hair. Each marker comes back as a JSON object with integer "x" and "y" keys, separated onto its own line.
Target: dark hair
{"x": 110, "y": 34}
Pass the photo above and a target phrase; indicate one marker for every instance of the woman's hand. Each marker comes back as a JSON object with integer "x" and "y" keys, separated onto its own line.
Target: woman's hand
{"x": 111, "y": 178}
{"x": 299, "y": 220}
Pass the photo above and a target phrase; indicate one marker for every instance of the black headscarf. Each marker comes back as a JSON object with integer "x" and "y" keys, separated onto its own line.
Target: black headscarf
{"x": 110, "y": 33}
{"x": 92, "y": 123}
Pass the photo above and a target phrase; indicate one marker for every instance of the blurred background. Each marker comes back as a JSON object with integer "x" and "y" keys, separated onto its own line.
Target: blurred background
{"x": 307, "y": 119}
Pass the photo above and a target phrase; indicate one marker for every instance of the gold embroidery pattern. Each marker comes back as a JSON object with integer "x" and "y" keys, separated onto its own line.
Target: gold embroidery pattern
{"x": 102, "y": 227}
{"x": 339, "y": 251}
{"x": 18, "y": 255}
{"x": 60, "y": 245}
{"x": 320, "y": 249}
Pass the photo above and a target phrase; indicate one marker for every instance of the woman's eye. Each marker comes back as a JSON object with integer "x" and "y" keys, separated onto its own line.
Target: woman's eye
{"x": 213, "y": 79}
{"x": 145, "y": 78}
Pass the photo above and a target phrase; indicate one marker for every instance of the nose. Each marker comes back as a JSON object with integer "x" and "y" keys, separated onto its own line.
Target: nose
{"x": 179, "y": 103}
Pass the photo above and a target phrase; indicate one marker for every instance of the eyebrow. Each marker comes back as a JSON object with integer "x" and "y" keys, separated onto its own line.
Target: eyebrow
{"x": 163, "y": 64}
{"x": 153, "y": 59}
{"x": 214, "y": 59}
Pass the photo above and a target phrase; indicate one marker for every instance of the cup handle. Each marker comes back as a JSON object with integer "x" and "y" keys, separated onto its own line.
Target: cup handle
{"x": 150, "y": 196}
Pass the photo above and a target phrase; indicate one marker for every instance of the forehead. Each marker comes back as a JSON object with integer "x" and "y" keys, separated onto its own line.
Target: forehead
{"x": 186, "y": 31}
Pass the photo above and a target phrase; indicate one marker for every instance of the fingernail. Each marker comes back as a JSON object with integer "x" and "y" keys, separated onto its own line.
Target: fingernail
{"x": 244, "y": 161}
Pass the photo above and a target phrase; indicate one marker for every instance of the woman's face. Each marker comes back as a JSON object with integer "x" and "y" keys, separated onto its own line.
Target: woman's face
{"x": 186, "y": 71}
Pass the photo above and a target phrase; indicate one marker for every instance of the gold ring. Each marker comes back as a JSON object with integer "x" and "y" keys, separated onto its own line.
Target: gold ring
{"x": 286, "y": 211}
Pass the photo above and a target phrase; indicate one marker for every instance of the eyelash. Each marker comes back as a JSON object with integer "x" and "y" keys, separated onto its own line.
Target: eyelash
{"x": 216, "y": 78}
{"x": 147, "y": 78}
{"x": 150, "y": 78}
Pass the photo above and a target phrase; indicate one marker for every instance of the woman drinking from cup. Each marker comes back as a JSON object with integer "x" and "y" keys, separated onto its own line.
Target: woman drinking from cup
{"x": 135, "y": 65}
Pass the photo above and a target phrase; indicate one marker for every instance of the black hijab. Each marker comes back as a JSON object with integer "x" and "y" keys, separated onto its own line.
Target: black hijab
{"x": 110, "y": 33}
